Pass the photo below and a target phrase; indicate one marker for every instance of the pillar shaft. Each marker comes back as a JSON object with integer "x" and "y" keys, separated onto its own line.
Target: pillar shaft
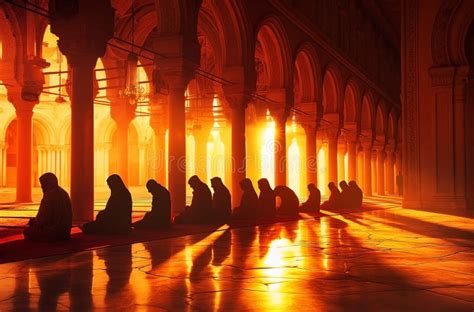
{"x": 367, "y": 171}
{"x": 238, "y": 151}
{"x": 160, "y": 156}
{"x": 352, "y": 160}
{"x": 122, "y": 146}
{"x": 381, "y": 172}
{"x": 389, "y": 176}
{"x": 341, "y": 154}
{"x": 280, "y": 151}
{"x": 82, "y": 142}
{"x": 24, "y": 152}
{"x": 177, "y": 148}
{"x": 311, "y": 155}
{"x": 332, "y": 158}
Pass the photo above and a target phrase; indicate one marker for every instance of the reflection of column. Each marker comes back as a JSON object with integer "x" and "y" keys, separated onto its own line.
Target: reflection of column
{"x": 341, "y": 153}
{"x": 280, "y": 150}
{"x": 24, "y": 113}
{"x": 367, "y": 177}
{"x": 311, "y": 155}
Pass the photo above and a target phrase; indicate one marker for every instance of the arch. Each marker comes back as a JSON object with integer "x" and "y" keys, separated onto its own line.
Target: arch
{"x": 380, "y": 121}
{"x": 391, "y": 126}
{"x": 332, "y": 97}
{"x": 449, "y": 32}
{"x": 351, "y": 102}
{"x": 275, "y": 46}
{"x": 366, "y": 112}
{"x": 42, "y": 130}
{"x": 105, "y": 130}
{"x": 308, "y": 69}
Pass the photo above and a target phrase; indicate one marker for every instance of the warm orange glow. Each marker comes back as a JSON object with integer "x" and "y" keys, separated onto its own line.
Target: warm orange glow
{"x": 267, "y": 151}
{"x": 322, "y": 172}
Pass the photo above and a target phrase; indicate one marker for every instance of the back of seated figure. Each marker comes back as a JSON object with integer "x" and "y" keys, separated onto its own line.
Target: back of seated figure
{"x": 160, "y": 214}
{"x": 54, "y": 219}
{"x": 289, "y": 201}
{"x": 116, "y": 218}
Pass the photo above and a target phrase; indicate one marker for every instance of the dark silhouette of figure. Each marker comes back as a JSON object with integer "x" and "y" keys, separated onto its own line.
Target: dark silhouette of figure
{"x": 356, "y": 194}
{"x": 200, "y": 210}
{"x": 400, "y": 183}
{"x": 160, "y": 214}
{"x": 289, "y": 201}
{"x": 313, "y": 203}
{"x": 116, "y": 218}
{"x": 52, "y": 283}
{"x": 54, "y": 219}
{"x": 221, "y": 201}
{"x": 248, "y": 202}
{"x": 334, "y": 198}
{"x": 266, "y": 208}
{"x": 345, "y": 200}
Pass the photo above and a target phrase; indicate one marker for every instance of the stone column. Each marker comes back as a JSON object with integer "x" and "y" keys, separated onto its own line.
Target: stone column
{"x": 389, "y": 170}
{"x": 367, "y": 181}
{"x": 2, "y": 161}
{"x": 352, "y": 160}
{"x": 380, "y": 148}
{"x": 201, "y": 137}
{"x": 280, "y": 149}
{"x": 158, "y": 115}
{"x": 311, "y": 154}
{"x": 341, "y": 153}
{"x": 24, "y": 114}
{"x": 238, "y": 104}
{"x": 122, "y": 112}
{"x": 82, "y": 39}
{"x": 331, "y": 137}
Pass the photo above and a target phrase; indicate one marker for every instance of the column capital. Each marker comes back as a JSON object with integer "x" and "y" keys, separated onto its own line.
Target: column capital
{"x": 237, "y": 100}
{"x": 177, "y": 72}
{"x": 83, "y": 34}
{"x": 121, "y": 110}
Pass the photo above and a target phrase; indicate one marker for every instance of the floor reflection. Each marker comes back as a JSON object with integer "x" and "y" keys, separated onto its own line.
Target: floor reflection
{"x": 396, "y": 260}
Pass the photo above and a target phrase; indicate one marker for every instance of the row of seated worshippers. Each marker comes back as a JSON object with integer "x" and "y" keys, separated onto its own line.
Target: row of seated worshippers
{"x": 350, "y": 196}
{"x": 54, "y": 219}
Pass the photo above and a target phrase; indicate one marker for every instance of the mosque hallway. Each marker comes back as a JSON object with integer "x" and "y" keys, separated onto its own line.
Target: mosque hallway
{"x": 389, "y": 259}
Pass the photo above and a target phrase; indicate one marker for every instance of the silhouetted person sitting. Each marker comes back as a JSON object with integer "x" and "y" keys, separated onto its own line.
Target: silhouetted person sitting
{"x": 200, "y": 210}
{"x": 289, "y": 201}
{"x": 334, "y": 198}
{"x": 54, "y": 219}
{"x": 356, "y": 194}
{"x": 266, "y": 208}
{"x": 160, "y": 214}
{"x": 221, "y": 201}
{"x": 248, "y": 202}
{"x": 313, "y": 203}
{"x": 116, "y": 218}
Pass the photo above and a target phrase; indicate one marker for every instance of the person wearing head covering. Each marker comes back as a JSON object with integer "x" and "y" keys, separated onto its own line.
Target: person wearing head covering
{"x": 312, "y": 204}
{"x": 54, "y": 219}
{"x": 248, "y": 202}
{"x": 116, "y": 218}
{"x": 221, "y": 201}
{"x": 200, "y": 210}
{"x": 289, "y": 201}
{"x": 266, "y": 208}
{"x": 345, "y": 200}
{"x": 356, "y": 194}
{"x": 160, "y": 214}
{"x": 334, "y": 198}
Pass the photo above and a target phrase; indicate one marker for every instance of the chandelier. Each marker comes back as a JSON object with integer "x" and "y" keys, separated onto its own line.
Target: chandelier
{"x": 133, "y": 91}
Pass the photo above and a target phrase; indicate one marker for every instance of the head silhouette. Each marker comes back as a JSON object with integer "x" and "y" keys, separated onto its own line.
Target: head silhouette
{"x": 216, "y": 183}
{"x": 332, "y": 186}
{"x": 152, "y": 186}
{"x": 48, "y": 181}
{"x": 246, "y": 185}
{"x": 264, "y": 185}
{"x": 194, "y": 182}
{"x": 353, "y": 183}
{"x": 312, "y": 188}
{"x": 343, "y": 185}
{"x": 115, "y": 183}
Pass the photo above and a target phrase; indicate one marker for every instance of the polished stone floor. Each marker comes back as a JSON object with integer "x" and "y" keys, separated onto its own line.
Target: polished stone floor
{"x": 385, "y": 260}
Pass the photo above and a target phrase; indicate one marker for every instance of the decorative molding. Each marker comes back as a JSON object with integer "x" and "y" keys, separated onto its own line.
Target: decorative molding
{"x": 442, "y": 76}
{"x": 439, "y": 38}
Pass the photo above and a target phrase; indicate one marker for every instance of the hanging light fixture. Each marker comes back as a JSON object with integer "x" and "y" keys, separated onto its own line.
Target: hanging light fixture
{"x": 133, "y": 91}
